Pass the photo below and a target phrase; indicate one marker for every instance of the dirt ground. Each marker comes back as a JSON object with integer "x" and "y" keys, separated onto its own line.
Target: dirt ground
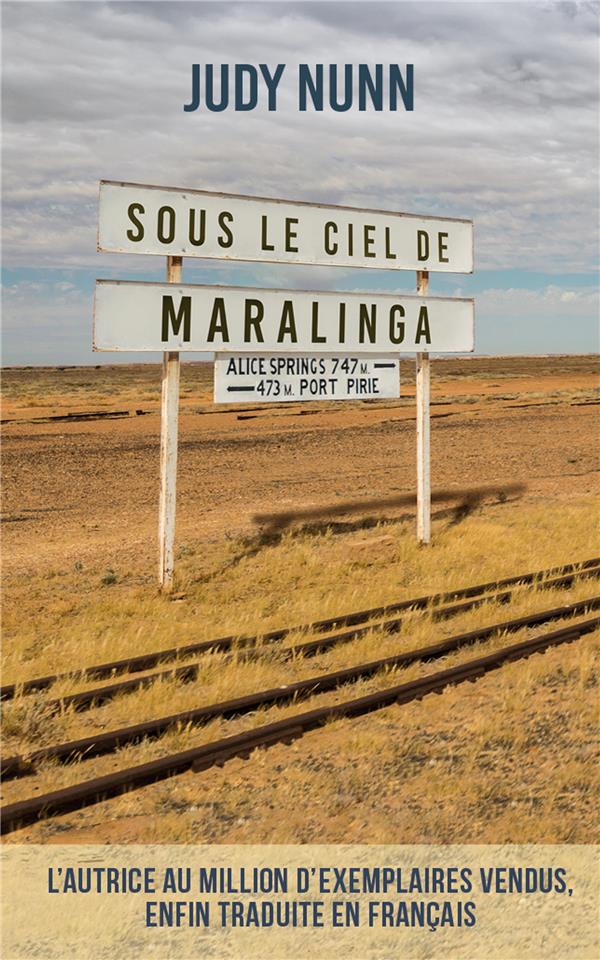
{"x": 510, "y": 759}
{"x": 78, "y": 490}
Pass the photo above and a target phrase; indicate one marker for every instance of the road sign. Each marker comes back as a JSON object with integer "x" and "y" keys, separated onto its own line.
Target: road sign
{"x": 132, "y": 315}
{"x": 168, "y": 221}
{"x": 278, "y": 378}
{"x": 236, "y": 322}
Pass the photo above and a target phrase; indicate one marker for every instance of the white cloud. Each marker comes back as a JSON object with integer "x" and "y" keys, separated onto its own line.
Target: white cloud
{"x": 548, "y": 320}
{"x": 504, "y": 127}
{"x": 505, "y": 130}
{"x": 584, "y": 301}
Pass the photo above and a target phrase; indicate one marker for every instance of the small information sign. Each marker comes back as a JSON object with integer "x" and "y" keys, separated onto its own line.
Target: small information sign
{"x": 278, "y": 378}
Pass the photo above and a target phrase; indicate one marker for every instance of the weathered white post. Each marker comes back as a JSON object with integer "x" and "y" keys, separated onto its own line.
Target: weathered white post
{"x": 169, "y": 416}
{"x": 423, "y": 461}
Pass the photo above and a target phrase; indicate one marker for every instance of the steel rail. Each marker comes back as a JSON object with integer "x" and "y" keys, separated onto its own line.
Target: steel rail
{"x": 95, "y": 696}
{"x": 148, "y": 660}
{"x": 78, "y": 795}
{"x": 102, "y": 743}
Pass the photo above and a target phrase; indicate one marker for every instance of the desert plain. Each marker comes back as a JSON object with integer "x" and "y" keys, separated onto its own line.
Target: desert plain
{"x": 509, "y": 759}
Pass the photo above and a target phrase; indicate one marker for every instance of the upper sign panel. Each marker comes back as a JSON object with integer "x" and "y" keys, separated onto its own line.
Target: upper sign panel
{"x": 193, "y": 223}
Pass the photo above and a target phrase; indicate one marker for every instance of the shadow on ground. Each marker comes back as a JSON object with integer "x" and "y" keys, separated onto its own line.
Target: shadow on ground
{"x": 318, "y": 520}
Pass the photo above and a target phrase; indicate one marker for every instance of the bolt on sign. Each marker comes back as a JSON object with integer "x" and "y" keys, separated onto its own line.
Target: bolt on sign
{"x": 167, "y": 221}
{"x": 271, "y": 335}
{"x": 277, "y": 378}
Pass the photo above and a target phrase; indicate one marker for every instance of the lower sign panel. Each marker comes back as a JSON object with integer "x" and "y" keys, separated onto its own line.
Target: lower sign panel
{"x": 277, "y": 378}
{"x": 131, "y": 315}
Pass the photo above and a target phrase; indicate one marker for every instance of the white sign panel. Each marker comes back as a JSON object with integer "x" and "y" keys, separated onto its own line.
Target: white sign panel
{"x": 132, "y": 315}
{"x": 249, "y": 376}
{"x": 168, "y": 221}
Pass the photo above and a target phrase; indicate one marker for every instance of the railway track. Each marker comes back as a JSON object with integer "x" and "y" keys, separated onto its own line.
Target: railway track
{"x": 78, "y": 795}
{"x": 553, "y": 577}
{"x": 188, "y": 672}
{"x": 77, "y": 417}
{"x": 112, "y": 740}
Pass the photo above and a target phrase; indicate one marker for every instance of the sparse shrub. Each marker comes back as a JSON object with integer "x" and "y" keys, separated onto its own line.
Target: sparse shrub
{"x": 185, "y": 551}
{"x": 109, "y": 578}
{"x": 30, "y": 719}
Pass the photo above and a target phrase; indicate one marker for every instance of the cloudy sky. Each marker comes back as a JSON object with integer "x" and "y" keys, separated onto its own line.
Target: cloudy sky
{"x": 504, "y": 131}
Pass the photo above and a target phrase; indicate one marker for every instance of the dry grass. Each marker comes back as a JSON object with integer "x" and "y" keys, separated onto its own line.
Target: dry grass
{"x": 73, "y": 619}
{"x": 121, "y": 385}
{"x": 107, "y": 386}
{"x": 508, "y": 759}
{"x": 222, "y": 678}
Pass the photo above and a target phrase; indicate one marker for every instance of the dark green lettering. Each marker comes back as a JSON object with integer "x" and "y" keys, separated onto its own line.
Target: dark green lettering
{"x": 423, "y": 326}
{"x": 422, "y": 245}
{"x": 264, "y": 245}
{"x": 288, "y": 323}
{"x": 218, "y": 322}
{"x": 227, "y": 239}
{"x": 169, "y": 317}
{"x": 442, "y": 247}
{"x": 132, "y": 209}
{"x": 162, "y": 236}
{"x": 254, "y": 313}
{"x": 388, "y": 252}
{"x": 342, "y": 324}
{"x": 396, "y": 326}
{"x": 197, "y": 241}
{"x": 331, "y": 246}
{"x": 315, "y": 337}
{"x": 367, "y": 322}
{"x": 290, "y": 235}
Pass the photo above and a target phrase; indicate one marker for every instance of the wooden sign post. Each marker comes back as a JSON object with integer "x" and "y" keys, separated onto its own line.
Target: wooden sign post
{"x": 423, "y": 463}
{"x": 169, "y": 422}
